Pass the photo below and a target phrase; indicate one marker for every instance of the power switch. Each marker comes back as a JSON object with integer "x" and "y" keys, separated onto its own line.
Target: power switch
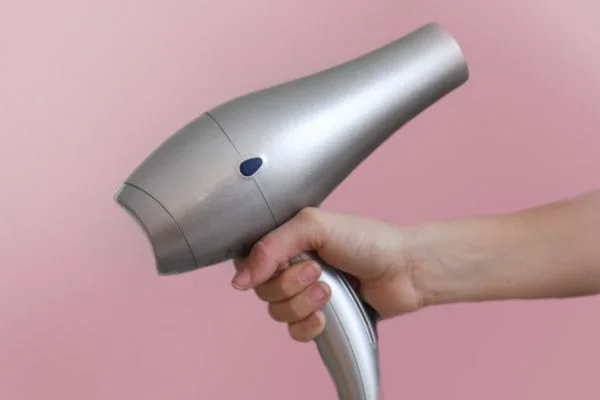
{"x": 250, "y": 166}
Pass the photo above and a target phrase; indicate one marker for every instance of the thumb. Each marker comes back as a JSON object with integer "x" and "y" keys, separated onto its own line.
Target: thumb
{"x": 306, "y": 231}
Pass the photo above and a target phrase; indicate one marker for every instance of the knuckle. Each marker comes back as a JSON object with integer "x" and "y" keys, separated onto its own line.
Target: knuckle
{"x": 315, "y": 220}
{"x": 307, "y": 329}
{"x": 298, "y": 276}
{"x": 294, "y": 307}
{"x": 298, "y": 334}
{"x": 280, "y": 312}
{"x": 274, "y": 313}
{"x": 284, "y": 284}
{"x": 274, "y": 290}
{"x": 309, "y": 214}
{"x": 262, "y": 292}
{"x": 283, "y": 293}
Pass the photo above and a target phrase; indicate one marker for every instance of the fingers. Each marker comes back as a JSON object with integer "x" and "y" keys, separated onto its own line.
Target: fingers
{"x": 310, "y": 300}
{"x": 309, "y": 328}
{"x": 295, "y": 297}
{"x": 294, "y": 294}
{"x": 305, "y": 232}
{"x": 290, "y": 282}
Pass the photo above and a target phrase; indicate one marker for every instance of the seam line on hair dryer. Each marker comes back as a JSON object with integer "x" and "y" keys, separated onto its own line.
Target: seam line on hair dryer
{"x": 187, "y": 243}
{"x": 241, "y": 158}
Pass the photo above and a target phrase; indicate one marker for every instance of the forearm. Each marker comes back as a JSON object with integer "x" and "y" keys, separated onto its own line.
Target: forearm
{"x": 545, "y": 252}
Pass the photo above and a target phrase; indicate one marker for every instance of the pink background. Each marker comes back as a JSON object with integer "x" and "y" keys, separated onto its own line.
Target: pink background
{"x": 89, "y": 88}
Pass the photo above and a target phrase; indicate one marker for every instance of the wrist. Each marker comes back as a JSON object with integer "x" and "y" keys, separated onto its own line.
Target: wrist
{"x": 462, "y": 260}
{"x": 545, "y": 252}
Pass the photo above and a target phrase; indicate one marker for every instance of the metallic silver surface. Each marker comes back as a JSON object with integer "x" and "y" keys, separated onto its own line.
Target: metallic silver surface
{"x": 171, "y": 248}
{"x": 313, "y": 131}
{"x": 348, "y": 346}
{"x": 201, "y": 201}
{"x": 194, "y": 176}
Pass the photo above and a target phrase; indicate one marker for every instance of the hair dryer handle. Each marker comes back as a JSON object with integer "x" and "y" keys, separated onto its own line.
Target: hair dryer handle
{"x": 348, "y": 345}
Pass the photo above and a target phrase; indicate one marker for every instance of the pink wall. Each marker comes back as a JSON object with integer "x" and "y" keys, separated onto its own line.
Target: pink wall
{"x": 88, "y": 88}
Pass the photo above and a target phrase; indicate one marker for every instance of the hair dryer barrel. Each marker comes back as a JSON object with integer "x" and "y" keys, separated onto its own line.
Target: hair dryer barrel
{"x": 303, "y": 137}
{"x": 313, "y": 131}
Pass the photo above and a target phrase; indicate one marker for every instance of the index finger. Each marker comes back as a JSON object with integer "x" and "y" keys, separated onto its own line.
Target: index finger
{"x": 304, "y": 232}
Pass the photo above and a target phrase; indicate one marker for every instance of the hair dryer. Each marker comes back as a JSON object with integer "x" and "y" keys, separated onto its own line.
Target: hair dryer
{"x": 238, "y": 171}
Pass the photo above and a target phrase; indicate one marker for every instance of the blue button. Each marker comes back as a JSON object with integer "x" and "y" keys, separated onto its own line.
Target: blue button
{"x": 250, "y": 166}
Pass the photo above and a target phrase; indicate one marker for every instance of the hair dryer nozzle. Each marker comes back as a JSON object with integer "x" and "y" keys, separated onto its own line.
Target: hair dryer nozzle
{"x": 171, "y": 250}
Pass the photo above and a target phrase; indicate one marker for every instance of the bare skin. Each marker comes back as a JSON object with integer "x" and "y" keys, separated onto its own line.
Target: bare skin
{"x": 550, "y": 251}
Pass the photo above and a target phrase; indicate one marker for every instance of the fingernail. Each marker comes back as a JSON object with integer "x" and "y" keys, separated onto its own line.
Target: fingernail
{"x": 241, "y": 280}
{"x": 317, "y": 294}
{"x": 309, "y": 274}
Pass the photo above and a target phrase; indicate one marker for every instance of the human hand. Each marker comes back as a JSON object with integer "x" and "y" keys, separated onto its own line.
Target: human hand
{"x": 374, "y": 252}
{"x": 549, "y": 251}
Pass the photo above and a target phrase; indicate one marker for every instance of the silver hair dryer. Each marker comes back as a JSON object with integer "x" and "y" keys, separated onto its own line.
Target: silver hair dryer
{"x": 238, "y": 171}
